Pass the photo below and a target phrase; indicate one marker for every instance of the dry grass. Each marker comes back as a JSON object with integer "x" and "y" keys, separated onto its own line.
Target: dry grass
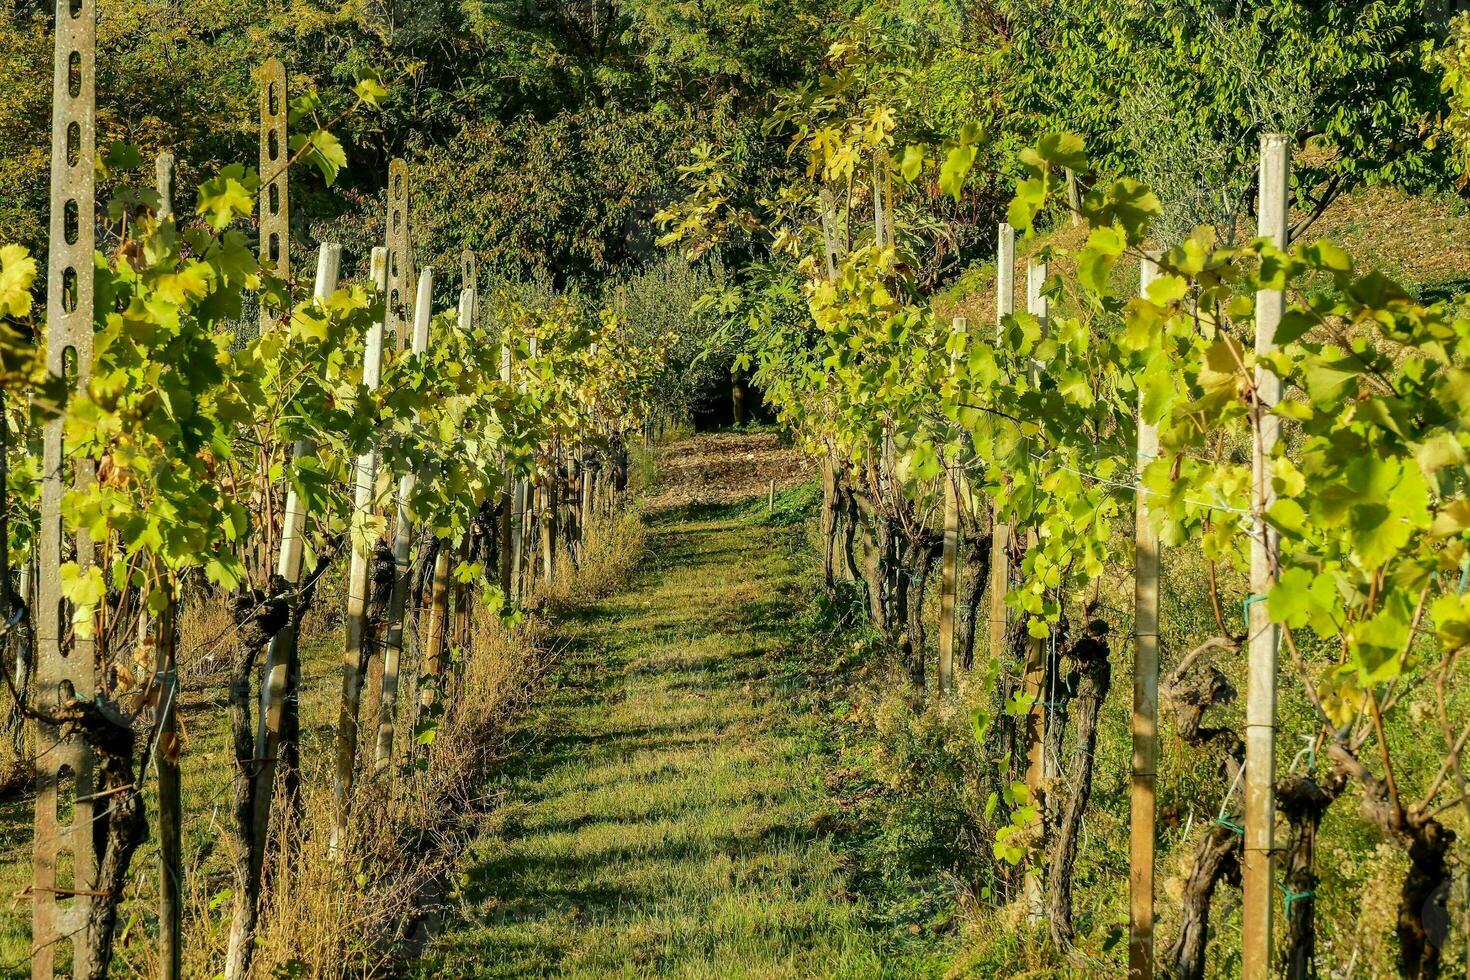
{"x": 725, "y": 468}
{"x": 358, "y": 912}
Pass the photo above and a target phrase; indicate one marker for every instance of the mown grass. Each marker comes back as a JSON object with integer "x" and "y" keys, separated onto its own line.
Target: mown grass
{"x": 668, "y": 815}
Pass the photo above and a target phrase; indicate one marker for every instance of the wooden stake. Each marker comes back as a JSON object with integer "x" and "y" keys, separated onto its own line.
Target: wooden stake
{"x": 402, "y": 565}
{"x": 949, "y": 569}
{"x": 438, "y": 626}
{"x": 275, "y": 206}
{"x": 277, "y": 673}
{"x": 354, "y": 658}
{"x": 1260, "y": 707}
{"x": 64, "y": 661}
{"x": 507, "y": 503}
{"x": 551, "y": 514}
{"x": 1145, "y": 703}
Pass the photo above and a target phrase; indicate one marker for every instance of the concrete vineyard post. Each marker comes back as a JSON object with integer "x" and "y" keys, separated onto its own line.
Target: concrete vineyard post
{"x": 1000, "y": 535}
{"x": 402, "y": 565}
{"x": 65, "y": 663}
{"x": 355, "y": 654}
{"x": 1263, "y": 635}
{"x": 443, "y": 609}
{"x": 949, "y": 557}
{"x": 398, "y": 248}
{"x": 525, "y": 540}
{"x": 1145, "y": 703}
{"x": 829, "y": 235}
{"x": 163, "y": 183}
{"x": 469, "y": 271}
{"x": 1039, "y": 767}
{"x": 278, "y": 674}
{"x": 275, "y": 209}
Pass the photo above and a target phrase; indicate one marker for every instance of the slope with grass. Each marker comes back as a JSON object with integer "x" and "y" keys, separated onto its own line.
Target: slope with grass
{"x": 665, "y": 815}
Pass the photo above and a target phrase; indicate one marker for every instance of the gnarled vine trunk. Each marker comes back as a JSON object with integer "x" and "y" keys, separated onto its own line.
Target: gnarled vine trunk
{"x": 1426, "y": 885}
{"x": 1094, "y": 676}
{"x": 1191, "y": 690}
{"x": 1303, "y": 802}
{"x": 258, "y": 618}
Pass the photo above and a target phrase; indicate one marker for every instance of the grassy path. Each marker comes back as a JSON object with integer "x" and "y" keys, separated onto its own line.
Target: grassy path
{"x": 661, "y": 818}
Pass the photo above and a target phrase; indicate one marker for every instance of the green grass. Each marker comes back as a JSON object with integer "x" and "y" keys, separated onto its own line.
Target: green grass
{"x": 665, "y": 814}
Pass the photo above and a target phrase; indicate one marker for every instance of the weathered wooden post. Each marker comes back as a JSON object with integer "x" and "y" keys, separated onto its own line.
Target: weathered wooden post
{"x": 1145, "y": 702}
{"x": 436, "y": 645}
{"x": 589, "y": 483}
{"x": 275, "y": 206}
{"x": 65, "y": 858}
{"x": 526, "y": 542}
{"x": 1260, "y": 706}
{"x": 551, "y": 512}
{"x": 402, "y": 565}
{"x": 354, "y": 658}
{"x": 507, "y": 500}
{"x": 279, "y": 673}
{"x": 949, "y": 571}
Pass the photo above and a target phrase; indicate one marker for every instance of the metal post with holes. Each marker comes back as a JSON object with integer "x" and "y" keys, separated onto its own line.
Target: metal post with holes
{"x": 354, "y": 658}
{"x": 65, "y": 863}
{"x": 275, "y": 209}
{"x": 1263, "y": 635}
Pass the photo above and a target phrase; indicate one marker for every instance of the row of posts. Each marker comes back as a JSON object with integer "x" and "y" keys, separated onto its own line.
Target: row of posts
{"x": 1263, "y": 636}
{"x": 65, "y": 856}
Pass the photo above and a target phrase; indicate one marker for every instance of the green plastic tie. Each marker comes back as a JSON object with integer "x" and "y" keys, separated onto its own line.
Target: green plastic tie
{"x": 1290, "y": 896}
{"x": 1245, "y": 607}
